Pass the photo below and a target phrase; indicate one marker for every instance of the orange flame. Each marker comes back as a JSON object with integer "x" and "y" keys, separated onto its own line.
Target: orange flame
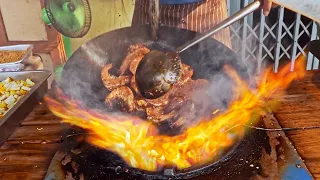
{"x": 139, "y": 144}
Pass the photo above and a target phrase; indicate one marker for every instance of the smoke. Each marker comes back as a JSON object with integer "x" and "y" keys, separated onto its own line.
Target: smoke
{"x": 213, "y": 99}
{"x": 95, "y": 52}
{"x": 209, "y": 65}
{"x": 81, "y": 78}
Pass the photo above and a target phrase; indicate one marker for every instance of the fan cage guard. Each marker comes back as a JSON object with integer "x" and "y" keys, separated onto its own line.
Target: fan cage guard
{"x": 77, "y": 34}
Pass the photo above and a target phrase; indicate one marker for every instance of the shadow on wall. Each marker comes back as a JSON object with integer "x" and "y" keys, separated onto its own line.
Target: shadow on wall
{"x": 107, "y": 15}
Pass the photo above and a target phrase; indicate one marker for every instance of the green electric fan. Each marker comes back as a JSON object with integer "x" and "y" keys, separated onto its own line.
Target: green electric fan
{"x": 72, "y": 18}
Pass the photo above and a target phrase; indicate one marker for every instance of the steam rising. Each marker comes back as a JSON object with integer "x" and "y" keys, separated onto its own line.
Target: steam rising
{"x": 95, "y": 52}
{"x": 222, "y": 88}
{"x": 82, "y": 81}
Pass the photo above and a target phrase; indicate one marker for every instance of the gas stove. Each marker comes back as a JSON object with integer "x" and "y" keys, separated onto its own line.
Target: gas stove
{"x": 260, "y": 155}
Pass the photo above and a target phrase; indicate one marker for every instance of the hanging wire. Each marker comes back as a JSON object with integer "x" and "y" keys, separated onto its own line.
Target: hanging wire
{"x": 274, "y": 129}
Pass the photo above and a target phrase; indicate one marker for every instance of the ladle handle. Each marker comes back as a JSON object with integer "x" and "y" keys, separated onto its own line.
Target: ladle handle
{"x": 227, "y": 22}
{"x": 154, "y": 18}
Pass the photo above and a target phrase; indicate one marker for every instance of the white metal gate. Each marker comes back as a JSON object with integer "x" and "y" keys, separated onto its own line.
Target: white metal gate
{"x": 260, "y": 40}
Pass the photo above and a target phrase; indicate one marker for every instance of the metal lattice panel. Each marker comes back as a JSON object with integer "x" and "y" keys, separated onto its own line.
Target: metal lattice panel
{"x": 257, "y": 39}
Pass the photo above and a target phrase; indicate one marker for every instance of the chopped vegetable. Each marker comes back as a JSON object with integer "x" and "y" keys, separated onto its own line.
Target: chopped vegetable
{"x": 11, "y": 91}
{"x": 26, "y": 88}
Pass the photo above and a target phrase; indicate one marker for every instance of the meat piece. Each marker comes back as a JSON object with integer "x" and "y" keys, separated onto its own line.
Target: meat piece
{"x": 136, "y": 53}
{"x": 140, "y": 105}
{"x": 135, "y": 47}
{"x": 175, "y": 103}
{"x": 178, "y": 107}
{"x": 135, "y": 63}
{"x": 112, "y": 82}
{"x": 122, "y": 96}
{"x": 190, "y": 87}
{"x": 161, "y": 101}
{"x": 186, "y": 72}
{"x": 134, "y": 86}
{"x": 156, "y": 114}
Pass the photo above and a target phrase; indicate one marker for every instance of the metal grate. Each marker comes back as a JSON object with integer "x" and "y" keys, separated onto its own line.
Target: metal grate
{"x": 259, "y": 39}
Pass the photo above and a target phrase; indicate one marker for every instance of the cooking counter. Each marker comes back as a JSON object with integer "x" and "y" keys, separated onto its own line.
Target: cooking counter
{"x": 28, "y": 152}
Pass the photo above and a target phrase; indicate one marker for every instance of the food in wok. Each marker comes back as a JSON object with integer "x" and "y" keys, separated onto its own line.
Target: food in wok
{"x": 179, "y": 107}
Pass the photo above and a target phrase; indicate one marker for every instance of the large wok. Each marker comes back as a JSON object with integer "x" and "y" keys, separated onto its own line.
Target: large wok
{"x": 81, "y": 80}
{"x": 81, "y": 74}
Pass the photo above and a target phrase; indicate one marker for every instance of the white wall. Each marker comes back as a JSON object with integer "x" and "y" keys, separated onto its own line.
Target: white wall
{"x": 107, "y": 15}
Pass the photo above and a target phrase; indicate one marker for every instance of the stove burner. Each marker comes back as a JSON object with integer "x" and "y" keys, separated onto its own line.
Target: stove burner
{"x": 168, "y": 172}
{"x": 259, "y": 155}
{"x": 82, "y": 159}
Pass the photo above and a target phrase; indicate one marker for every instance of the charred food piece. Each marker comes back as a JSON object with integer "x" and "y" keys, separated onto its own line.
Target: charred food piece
{"x": 157, "y": 115}
{"x": 136, "y": 53}
{"x": 112, "y": 82}
{"x": 156, "y": 76}
{"x": 122, "y": 98}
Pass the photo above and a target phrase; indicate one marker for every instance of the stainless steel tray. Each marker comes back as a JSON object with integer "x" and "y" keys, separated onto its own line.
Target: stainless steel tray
{"x": 21, "y": 47}
{"x": 11, "y": 67}
{"x": 11, "y": 120}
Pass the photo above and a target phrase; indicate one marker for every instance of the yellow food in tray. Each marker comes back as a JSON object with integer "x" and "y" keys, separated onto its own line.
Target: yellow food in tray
{"x": 11, "y": 91}
{"x": 11, "y": 56}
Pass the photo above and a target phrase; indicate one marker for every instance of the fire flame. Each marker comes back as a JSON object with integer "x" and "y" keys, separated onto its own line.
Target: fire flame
{"x": 139, "y": 144}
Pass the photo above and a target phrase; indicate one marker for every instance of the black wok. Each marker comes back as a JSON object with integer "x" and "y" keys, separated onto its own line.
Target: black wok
{"x": 81, "y": 80}
{"x": 81, "y": 74}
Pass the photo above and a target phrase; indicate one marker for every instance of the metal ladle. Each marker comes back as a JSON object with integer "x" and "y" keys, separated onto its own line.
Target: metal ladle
{"x": 157, "y": 71}
{"x": 224, "y": 24}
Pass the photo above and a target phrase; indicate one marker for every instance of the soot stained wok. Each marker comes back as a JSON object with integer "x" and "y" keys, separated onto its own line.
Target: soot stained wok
{"x": 81, "y": 80}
